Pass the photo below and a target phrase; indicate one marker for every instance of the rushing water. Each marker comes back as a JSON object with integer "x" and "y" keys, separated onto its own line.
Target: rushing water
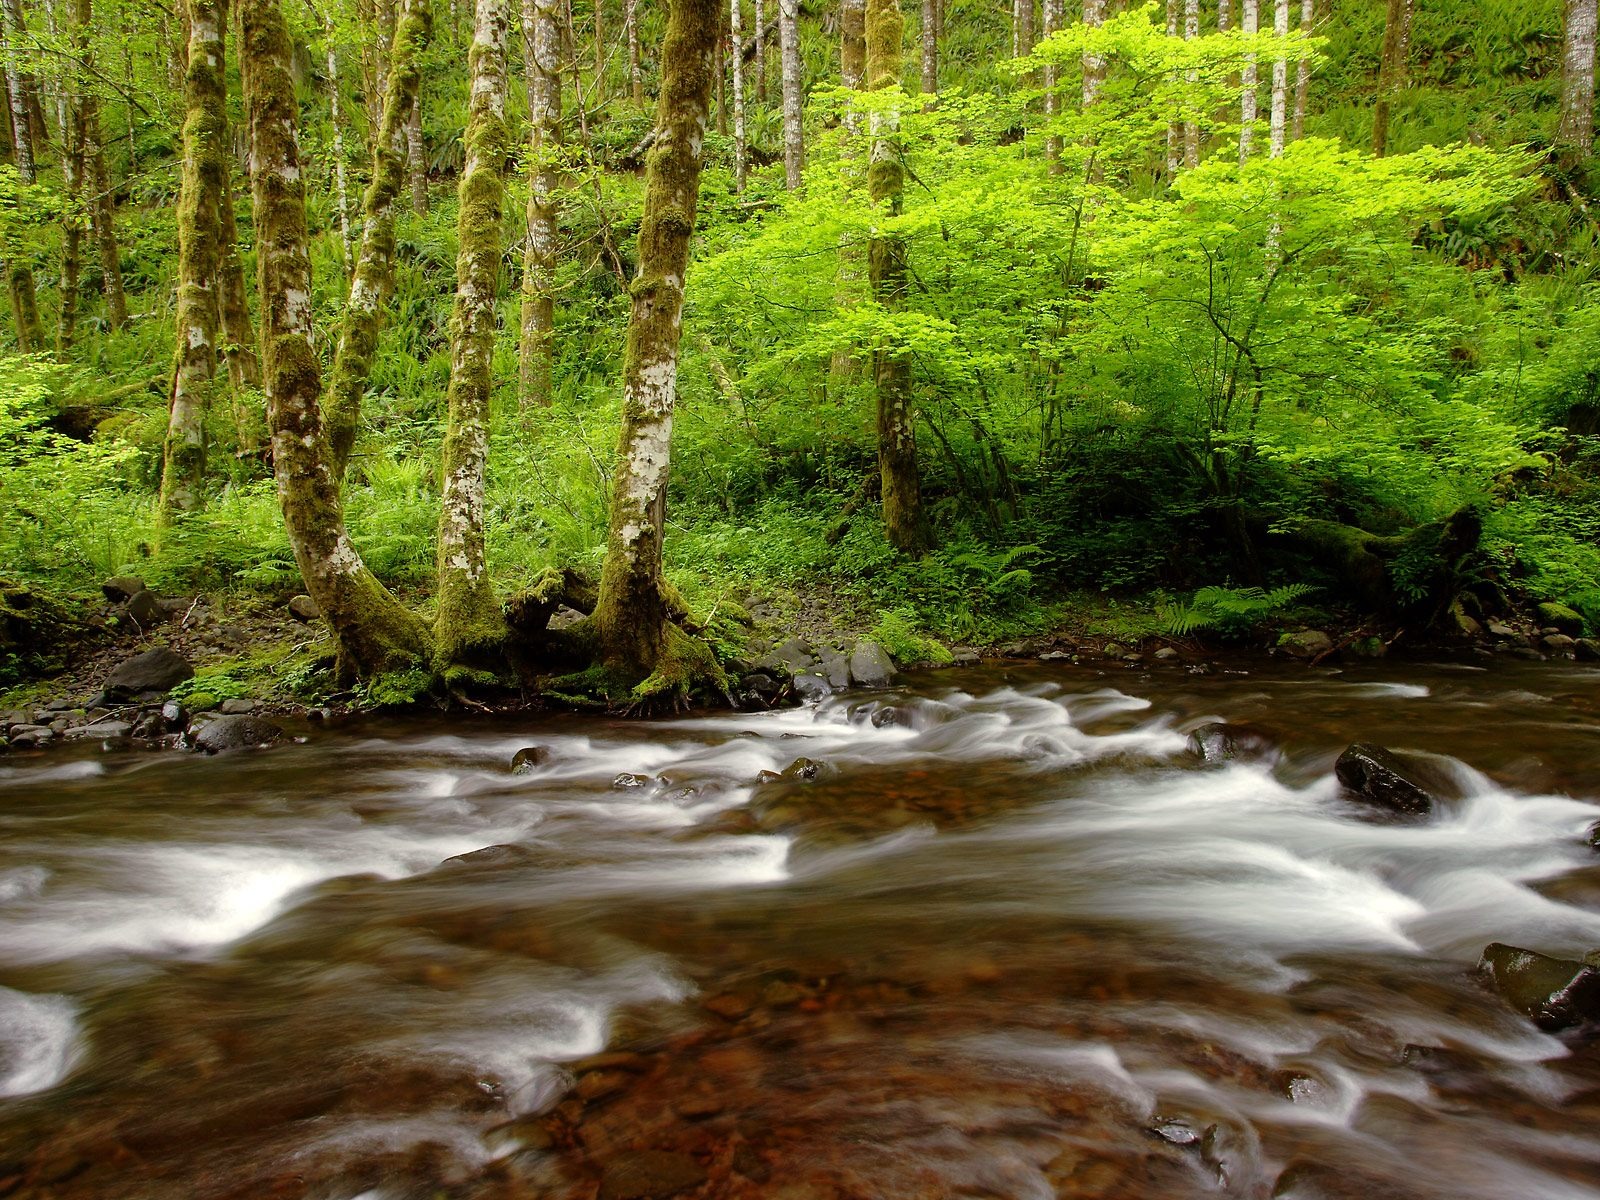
{"x": 1012, "y": 940}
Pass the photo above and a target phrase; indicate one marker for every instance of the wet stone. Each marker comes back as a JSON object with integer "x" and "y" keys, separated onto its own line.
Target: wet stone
{"x": 1177, "y": 1133}
{"x": 1557, "y": 993}
{"x": 628, "y": 781}
{"x": 221, "y": 734}
{"x": 649, "y": 1175}
{"x": 237, "y": 706}
{"x": 870, "y": 664}
{"x": 528, "y": 758}
{"x": 1220, "y": 741}
{"x": 1384, "y": 778}
{"x": 492, "y": 856}
{"x": 803, "y": 770}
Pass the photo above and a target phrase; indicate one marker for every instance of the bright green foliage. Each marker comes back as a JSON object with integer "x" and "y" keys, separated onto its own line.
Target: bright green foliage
{"x": 1231, "y": 612}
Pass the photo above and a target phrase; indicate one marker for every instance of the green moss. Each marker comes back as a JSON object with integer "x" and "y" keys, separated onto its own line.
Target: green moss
{"x": 395, "y": 689}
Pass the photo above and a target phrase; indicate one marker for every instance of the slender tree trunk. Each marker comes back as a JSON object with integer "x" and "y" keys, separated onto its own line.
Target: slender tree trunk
{"x": 24, "y": 300}
{"x": 100, "y": 203}
{"x": 1094, "y": 66}
{"x": 904, "y": 522}
{"x": 1191, "y": 129}
{"x": 39, "y": 131}
{"x": 1302, "y": 77}
{"x": 1247, "y": 83}
{"x": 1224, "y": 16}
{"x": 470, "y": 628}
{"x": 1174, "y": 128}
{"x": 631, "y": 617}
{"x": 794, "y": 148}
{"x": 372, "y": 284}
{"x": 853, "y": 74}
{"x": 630, "y": 14}
{"x": 1280, "y": 81}
{"x": 341, "y": 185}
{"x": 73, "y": 134}
{"x": 543, "y": 55}
{"x": 199, "y": 201}
{"x": 374, "y": 632}
{"x": 1022, "y": 38}
{"x": 239, "y": 339}
{"x": 721, "y": 69}
{"x": 417, "y": 158}
{"x": 1392, "y": 71}
{"x": 761, "y": 53}
{"x": 599, "y": 50}
{"x": 740, "y": 148}
{"x": 929, "y": 36}
{"x": 1054, "y": 18}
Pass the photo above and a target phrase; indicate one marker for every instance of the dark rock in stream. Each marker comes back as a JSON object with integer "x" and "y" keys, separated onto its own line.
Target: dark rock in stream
{"x": 235, "y": 733}
{"x": 491, "y": 856}
{"x": 158, "y": 670}
{"x": 870, "y": 664}
{"x": 1557, "y": 993}
{"x": 627, "y": 781}
{"x": 1219, "y": 742}
{"x": 1587, "y": 650}
{"x": 1385, "y": 778}
{"x": 529, "y": 757}
{"x": 803, "y": 770}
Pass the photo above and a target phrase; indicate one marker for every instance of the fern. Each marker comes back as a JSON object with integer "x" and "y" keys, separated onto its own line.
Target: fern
{"x": 1230, "y": 611}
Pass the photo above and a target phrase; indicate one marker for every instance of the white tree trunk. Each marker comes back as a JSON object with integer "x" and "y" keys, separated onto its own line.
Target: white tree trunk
{"x": 740, "y": 149}
{"x": 930, "y": 46}
{"x": 417, "y": 158}
{"x": 1054, "y": 17}
{"x": 1224, "y": 16}
{"x": 761, "y": 52}
{"x": 794, "y": 147}
{"x": 1247, "y": 82}
{"x": 1174, "y": 128}
{"x": 1191, "y": 129}
{"x": 1094, "y": 66}
{"x": 1302, "y": 78}
{"x": 542, "y": 41}
{"x": 1577, "y": 77}
{"x": 341, "y": 185}
{"x": 1280, "y": 80}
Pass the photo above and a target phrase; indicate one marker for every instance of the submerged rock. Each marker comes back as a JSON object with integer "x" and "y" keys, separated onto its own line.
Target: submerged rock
{"x": 236, "y": 733}
{"x": 649, "y": 1175}
{"x": 1557, "y": 993}
{"x": 1218, "y": 741}
{"x": 528, "y": 758}
{"x": 158, "y": 670}
{"x": 1588, "y": 649}
{"x": 1386, "y": 779}
{"x": 804, "y": 770}
{"x": 628, "y": 780}
{"x": 505, "y": 855}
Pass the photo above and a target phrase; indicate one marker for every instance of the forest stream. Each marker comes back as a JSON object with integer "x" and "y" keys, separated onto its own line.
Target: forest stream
{"x": 1000, "y": 934}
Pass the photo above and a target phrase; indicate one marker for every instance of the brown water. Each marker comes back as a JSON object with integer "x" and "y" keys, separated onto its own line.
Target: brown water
{"x": 1013, "y": 942}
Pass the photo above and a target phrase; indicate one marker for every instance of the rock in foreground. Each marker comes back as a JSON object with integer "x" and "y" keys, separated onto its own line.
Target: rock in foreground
{"x": 1557, "y": 993}
{"x": 1386, "y": 779}
{"x": 158, "y": 670}
{"x": 235, "y": 733}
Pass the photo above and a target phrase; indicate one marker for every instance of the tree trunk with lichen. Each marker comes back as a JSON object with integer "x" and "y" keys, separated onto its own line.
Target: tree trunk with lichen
{"x": 238, "y": 337}
{"x": 470, "y": 630}
{"x": 1094, "y": 65}
{"x": 1250, "y": 22}
{"x": 199, "y": 202}
{"x": 71, "y": 230}
{"x": 375, "y": 633}
{"x": 541, "y": 32}
{"x": 1191, "y": 129}
{"x": 372, "y": 285}
{"x": 794, "y": 144}
{"x": 1054, "y": 13}
{"x": 904, "y": 521}
{"x": 741, "y": 154}
{"x": 1575, "y": 132}
{"x": 632, "y": 616}
{"x": 929, "y": 38}
{"x": 1279, "y": 124}
{"x": 1302, "y": 76}
{"x": 1392, "y": 71}
{"x": 19, "y": 275}
{"x": 97, "y": 179}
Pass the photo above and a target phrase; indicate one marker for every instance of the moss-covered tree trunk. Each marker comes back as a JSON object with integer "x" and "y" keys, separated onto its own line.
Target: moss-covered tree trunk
{"x": 470, "y": 628}
{"x": 375, "y": 633}
{"x": 794, "y": 142}
{"x": 1392, "y": 70}
{"x": 542, "y": 38}
{"x": 903, "y": 519}
{"x": 373, "y": 283}
{"x": 238, "y": 335}
{"x": 204, "y": 167}
{"x": 632, "y": 614}
{"x": 1575, "y": 132}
